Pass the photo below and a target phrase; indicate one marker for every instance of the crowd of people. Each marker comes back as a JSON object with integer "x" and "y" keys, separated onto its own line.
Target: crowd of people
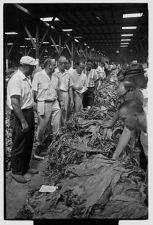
{"x": 56, "y": 91}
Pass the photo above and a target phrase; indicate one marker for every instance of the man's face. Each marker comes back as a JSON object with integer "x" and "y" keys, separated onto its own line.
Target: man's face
{"x": 67, "y": 65}
{"x": 121, "y": 90}
{"x": 30, "y": 69}
{"x": 129, "y": 119}
{"x": 52, "y": 67}
{"x": 61, "y": 64}
{"x": 89, "y": 66}
{"x": 80, "y": 68}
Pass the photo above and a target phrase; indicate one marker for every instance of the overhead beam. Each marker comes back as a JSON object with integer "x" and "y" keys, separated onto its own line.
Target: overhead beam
{"x": 29, "y": 35}
{"x": 51, "y": 38}
{"x": 23, "y": 9}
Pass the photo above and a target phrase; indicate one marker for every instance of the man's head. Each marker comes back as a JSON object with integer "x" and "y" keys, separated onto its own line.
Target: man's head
{"x": 49, "y": 65}
{"x": 27, "y": 65}
{"x": 61, "y": 63}
{"x": 130, "y": 112}
{"x": 89, "y": 65}
{"x": 68, "y": 64}
{"x": 141, "y": 81}
{"x": 79, "y": 66}
{"x": 124, "y": 87}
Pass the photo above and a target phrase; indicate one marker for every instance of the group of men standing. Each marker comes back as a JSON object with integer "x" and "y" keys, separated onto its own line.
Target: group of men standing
{"x": 55, "y": 93}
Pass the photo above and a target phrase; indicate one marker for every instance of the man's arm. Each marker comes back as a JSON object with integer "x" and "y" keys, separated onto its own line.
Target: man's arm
{"x": 111, "y": 122}
{"x": 15, "y": 102}
{"x": 123, "y": 141}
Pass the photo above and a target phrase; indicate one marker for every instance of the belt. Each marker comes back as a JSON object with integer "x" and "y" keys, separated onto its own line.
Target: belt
{"x": 48, "y": 101}
{"x": 63, "y": 91}
{"x": 24, "y": 110}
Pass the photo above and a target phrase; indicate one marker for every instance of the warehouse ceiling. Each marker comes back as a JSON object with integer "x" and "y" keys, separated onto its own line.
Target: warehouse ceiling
{"x": 96, "y": 26}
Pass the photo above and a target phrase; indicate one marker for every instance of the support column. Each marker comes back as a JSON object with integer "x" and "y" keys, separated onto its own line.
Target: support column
{"x": 72, "y": 52}
{"x": 37, "y": 44}
{"x": 60, "y": 43}
{"x": 6, "y": 56}
{"x": 7, "y": 53}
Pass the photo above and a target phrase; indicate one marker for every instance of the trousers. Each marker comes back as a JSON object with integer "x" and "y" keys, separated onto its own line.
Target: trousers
{"x": 88, "y": 97}
{"x": 77, "y": 101}
{"x": 52, "y": 113}
{"x": 64, "y": 110}
{"x": 22, "y": 142}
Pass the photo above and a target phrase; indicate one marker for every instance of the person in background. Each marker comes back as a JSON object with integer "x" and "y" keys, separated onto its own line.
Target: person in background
{"x": 134, "y": 117}
{"x": 79, "y": 85}
{"x": 100, "y": 73}
{"x": 45, "y": 87}
{"x": 20, "y": 101}
{"x": 68, "y": 66}
{"x": 93, "y": 81}
{"x": 65, "y": 88}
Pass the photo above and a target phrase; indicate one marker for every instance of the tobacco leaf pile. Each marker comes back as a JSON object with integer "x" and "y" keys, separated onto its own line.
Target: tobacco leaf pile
{"x": 90, "y": 184}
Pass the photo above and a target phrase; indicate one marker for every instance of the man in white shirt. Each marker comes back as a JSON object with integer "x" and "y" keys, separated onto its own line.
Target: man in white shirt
{"x": 20, "y": 101}
{"x": 45, "y": 87}
{"x": 68, "y": 66}
{"x": 79, "y": 85}
{"x": 66, "y": 95}
{"x": 93, "y": 80}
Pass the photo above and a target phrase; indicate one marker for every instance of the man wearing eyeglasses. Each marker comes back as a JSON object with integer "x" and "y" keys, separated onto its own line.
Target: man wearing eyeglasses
{"x": 65, "y": 88}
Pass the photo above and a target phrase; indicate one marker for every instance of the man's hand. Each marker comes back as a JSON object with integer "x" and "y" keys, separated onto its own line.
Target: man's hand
{"x": 107, "y": 134}
{"x": 25, "y": 126}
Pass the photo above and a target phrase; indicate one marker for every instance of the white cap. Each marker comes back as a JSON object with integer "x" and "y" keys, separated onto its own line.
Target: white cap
{"x": 28, "y": 60}
{"x": 134, "y": 62}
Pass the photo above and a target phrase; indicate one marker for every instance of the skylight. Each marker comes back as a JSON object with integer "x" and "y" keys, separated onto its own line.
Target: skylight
{"x": 45, "y": 42}
{"x": 9, "y": 43}
{"x": 30, "y": 39}
{"x": 11, "y": 33}
{"x": 126, "y": 35}
{"x": 66, "y": 30}
{"x": 76, "y": 40}
{"x": 47, "y": 19}
{"x": 129, "y": 28}
{"x": 125, "y": 39}
{"x": 123, "y": 43}
{"x": 132, "y": 15}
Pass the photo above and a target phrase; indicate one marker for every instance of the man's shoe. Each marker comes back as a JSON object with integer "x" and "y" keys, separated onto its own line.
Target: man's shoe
{"x": 32, "y": 171}
{"x": 19, "y": 178}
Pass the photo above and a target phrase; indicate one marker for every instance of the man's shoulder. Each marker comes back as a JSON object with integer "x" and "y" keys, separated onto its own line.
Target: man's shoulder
{"x": 16, "y": 76}
{"x": 39, "y": 74}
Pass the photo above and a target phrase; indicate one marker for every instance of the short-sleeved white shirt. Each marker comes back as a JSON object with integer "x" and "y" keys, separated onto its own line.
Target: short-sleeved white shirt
{"x": 20, "y": 85}
{"x": 92, "y": 76}
{"x": 79, "y": 81}
{"x": 64, "y": 80}
{"x": 47, "y": 88}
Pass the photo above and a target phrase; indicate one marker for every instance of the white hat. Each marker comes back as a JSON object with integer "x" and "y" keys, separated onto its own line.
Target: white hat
{"x": 28, "y": 60}
{"x": 134, "y": 62}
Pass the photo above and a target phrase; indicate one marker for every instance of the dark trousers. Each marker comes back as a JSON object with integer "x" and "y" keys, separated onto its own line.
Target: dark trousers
{"x": 22, "y": 142}
{"x": 88, "y": 97}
